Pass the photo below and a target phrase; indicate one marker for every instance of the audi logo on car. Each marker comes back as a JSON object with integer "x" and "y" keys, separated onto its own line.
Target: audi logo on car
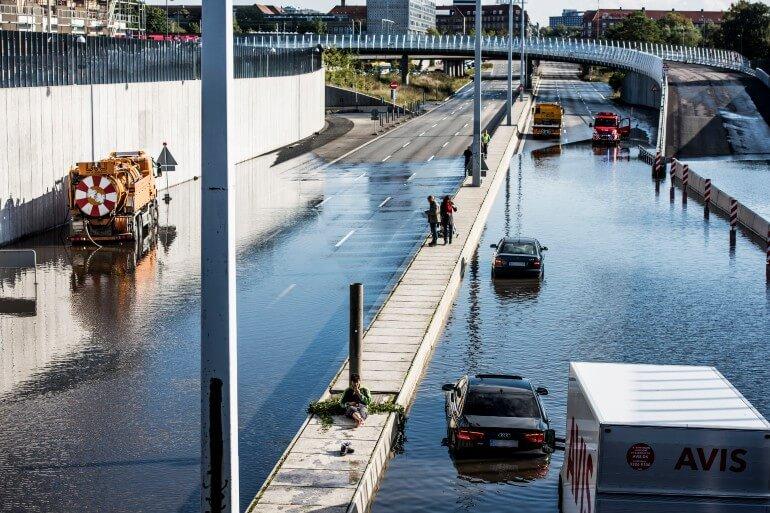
{"x": 503, "y": 435}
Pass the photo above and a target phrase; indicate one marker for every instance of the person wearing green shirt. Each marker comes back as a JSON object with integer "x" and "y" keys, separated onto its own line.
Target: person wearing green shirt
{"x": 485, "y": 138}
{"x": 355, "y": 399}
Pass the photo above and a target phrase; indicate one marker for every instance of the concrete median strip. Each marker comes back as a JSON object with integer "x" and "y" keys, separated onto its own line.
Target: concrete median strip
{"x": 311, "y": 476}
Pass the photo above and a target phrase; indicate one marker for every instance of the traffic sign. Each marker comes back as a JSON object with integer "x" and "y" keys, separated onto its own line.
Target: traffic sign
{"x": 166, "y": 161}
{"x": 394, "y": 85}
{"x": 375, "y": 114}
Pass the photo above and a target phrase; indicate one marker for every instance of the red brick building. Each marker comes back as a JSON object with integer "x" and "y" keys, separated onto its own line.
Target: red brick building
{"x": 596, "y": 22}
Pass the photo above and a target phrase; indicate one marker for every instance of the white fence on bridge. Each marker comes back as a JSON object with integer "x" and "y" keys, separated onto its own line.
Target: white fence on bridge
{"x": 645, "y": 58}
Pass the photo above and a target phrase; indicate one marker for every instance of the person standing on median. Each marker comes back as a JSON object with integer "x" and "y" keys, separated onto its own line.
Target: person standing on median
{"x": 448, "y": 209}
{"x": 485, "y": 138}
{"x": 433, "y": 214}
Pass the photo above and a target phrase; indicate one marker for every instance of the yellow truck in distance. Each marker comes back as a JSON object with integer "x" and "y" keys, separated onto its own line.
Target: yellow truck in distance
{"x": 547, "y": 119}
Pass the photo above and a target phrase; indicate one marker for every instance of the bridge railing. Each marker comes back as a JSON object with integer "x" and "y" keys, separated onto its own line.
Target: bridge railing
{"x": 33, "y": 59}
{"x": 621, "y": 52}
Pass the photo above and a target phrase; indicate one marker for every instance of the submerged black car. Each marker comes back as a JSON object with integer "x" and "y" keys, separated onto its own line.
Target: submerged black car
{"x": 496, "y": 413}
{"x": 518, "y": 257}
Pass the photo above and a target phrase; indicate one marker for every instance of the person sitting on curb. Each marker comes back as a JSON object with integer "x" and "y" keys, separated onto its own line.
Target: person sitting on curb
{"x": 355, "y": 399}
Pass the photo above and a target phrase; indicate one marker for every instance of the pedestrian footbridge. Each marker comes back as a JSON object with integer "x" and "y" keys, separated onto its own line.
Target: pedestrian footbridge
{"x": 645, "y": 58}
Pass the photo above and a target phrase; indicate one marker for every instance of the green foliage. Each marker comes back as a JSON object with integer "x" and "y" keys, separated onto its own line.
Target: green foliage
{"x": 616, "y": 80}
{"x": 325, "y": 410}
{"x": 157, "y": 23}
{"x": 249, "y": 18}
{"x": 635, "y": 27}
{"x": 677, "y": 30}
{"x": 433, "y": 31}
{"x": 340, "y": 68}
{"x": 746, "y": 29}
{"x": 194, "y": 27}
{"x": 561, "y": 30}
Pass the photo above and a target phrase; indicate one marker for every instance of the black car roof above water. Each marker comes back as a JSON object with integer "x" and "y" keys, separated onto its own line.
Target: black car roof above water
{"x": 519, "y": 239}
{"x": 499, "y": 381}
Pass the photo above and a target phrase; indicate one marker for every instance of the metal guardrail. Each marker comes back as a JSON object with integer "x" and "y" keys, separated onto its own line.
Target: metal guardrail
{"x": 33, "y": 59}
{"x": 646, "y": 58}
{"x": 763, "y": 76}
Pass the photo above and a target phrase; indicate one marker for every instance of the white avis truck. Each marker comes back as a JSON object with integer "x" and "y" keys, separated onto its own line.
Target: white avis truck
{"x": 661, "y": 439}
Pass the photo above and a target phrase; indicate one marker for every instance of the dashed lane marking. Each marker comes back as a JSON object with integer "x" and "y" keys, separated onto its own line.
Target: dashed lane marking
{"x": 386, "y": 158}
{"x": 384, "y": 201}
{"x": 431, "y": 158}
{"x": 343, "y": 239}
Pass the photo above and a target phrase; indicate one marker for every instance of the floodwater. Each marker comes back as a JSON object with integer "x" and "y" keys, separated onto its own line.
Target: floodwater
{"x": 746, "y": 180}
{"x": 99, "y": 391}
{"x": 629, "y": 277}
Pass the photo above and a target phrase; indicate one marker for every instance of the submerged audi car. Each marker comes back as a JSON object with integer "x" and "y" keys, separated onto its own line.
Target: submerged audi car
{"x": 496, "y": 413}
{"x": 518, "y": 257}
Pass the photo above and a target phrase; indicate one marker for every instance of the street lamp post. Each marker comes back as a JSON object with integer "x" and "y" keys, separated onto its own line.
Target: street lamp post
{"x": 476, "y": 181}
{"x": 523, "y": 62}
{"x": 461, "y": 14}
{"x": 509, "y": 98}
{"x": 219, "y": 488}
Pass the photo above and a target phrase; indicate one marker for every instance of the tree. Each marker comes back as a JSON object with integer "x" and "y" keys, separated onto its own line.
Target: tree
{"x": 746, "y": 29}
{"x": 562, "y": 30}
{"x": 675, "y": 29}
{"x": 319, "y": 27}
{"x": 711, "y": 36}
{"x": 433, "y": 31}
{"x": 249, "y": 18}
{"x": 157, "y": 23}
{"x": 635, "y": 27}
{"x": 194, "y": 27}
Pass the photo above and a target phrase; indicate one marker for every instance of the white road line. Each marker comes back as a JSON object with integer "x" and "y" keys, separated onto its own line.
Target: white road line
{"x": 285, "y": 291}
{"x": 384, "y": 201}
{"x": 406, "y": 144}
{"x": 359, "y": 176}
{"x": 421, "y": 134}
{"x": 343, "y": 239}
{"x": 444, "y": 145}
{"x": 431, "y": 158}
{"x": 410, "y": 177}
{"x": 457, "y": 133}
{"x": 386, "y": 158}
{"x": 434, "y": 125}
{"x": 465, "y": 125}
{"x": 324, "y": 201}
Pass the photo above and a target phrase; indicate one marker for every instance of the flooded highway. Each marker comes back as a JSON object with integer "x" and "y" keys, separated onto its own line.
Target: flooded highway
{"x": 99, "y": 392}
{"x": 629, "y": 277}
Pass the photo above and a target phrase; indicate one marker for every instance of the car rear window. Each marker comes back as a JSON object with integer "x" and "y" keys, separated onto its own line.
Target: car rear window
{"x": 519, "y": 248}
{"x": 501, "y": 403}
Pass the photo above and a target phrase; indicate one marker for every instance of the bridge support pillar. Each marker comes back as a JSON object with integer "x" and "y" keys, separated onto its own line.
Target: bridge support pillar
{"x": 404, "y": 69}
{"x": 530, "y": 70}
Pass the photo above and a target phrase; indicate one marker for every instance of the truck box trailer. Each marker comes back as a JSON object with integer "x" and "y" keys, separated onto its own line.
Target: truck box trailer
{"x": 661, "y": 439}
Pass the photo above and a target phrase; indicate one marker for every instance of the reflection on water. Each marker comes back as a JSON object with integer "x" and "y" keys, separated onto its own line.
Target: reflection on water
{"x": 611, "y": 292}
{"x": 513, "y": 470}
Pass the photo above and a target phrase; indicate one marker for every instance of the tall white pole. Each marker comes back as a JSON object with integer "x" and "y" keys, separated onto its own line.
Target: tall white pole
{"x": 509, "y": 99}
{"x": 476, "y": 181}
{"x": 523, "y": 62}
{"x": 219, "y": 380}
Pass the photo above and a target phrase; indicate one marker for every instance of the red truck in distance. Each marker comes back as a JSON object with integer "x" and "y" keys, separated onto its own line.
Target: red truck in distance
{"x": 609, "y": 128}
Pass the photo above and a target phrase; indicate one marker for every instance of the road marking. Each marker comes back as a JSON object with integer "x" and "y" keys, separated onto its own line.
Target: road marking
{"x": 285, "y": 291}
{"x": 433, "y": 126}
{"x": 421, "y": 134}
{"x": 359, "y": 176}
{"x": 384, "y": 201}
{"x": 343, "y": 239}
{"x": 457, "y": 133}
{"x": 444, "y": 145}
{"x": 410, "y": 177}
{"x": 465, "y": 125}
{"x": 442, "y": 119}
{"x": 406, "y": 144}
{"x": 386, "y": 158}
{"x": 431, "y": 158}
{"x": 324, "y": 201}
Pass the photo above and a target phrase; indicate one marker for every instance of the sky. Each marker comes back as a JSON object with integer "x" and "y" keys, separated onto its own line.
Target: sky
{"x": 539, "y": 11}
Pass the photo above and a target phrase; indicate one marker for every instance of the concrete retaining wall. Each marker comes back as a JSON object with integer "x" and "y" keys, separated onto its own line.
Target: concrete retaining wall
{"x": 721, "y": 201}
{"x": 638, "y": 90}
{"x": 46, "y": 130}
{"x": 337, "y": 97}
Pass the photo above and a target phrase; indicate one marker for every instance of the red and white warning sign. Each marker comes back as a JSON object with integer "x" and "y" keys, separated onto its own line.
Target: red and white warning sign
{"x": 640, "y": 456}
{"x": 96, "y": 196}
{"x": 394, "y": 85}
